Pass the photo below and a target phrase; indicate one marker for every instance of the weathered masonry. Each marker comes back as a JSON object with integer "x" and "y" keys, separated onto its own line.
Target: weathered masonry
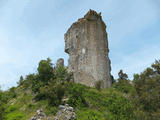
{"x": 86, "y": 43}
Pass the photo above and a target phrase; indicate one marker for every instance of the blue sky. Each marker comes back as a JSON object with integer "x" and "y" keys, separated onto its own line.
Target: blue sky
{"x": 32, "y": 30}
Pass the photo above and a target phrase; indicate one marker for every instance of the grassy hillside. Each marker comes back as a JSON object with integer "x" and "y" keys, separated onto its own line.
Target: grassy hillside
{"x": 125, "y": 100}
{"x": 23, "y": 106}
{"x": 106, "y": 104}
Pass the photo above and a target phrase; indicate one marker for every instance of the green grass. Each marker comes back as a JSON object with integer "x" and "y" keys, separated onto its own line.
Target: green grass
{"x": 107, "y": 104}
{"x": 89, "y": 114}
{"x": 15, "y": 116}
{"x": 23, "y": 106}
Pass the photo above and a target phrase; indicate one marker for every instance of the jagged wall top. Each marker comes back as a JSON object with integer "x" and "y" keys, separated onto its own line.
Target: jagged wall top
{"x": 91, "y": 15}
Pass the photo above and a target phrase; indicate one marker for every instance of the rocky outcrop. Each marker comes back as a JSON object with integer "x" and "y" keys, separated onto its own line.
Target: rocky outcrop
{"x": 65, "y": 113}
{"x": 86, "y": 43}
{"x": 40, "y": 115}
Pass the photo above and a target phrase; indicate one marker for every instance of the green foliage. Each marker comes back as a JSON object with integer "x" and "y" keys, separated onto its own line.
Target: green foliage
{"x": 119, "y": 106}
{"x": 54, "y": 89}
{"x": 88, "y": 114}
{"x": 98, "y": 85}
{"x": 147, "y": 85}
{"x": 34, "y": 81}
{"x": 12, "y": 108}
{"x": 51, "y": 93}
{"x": 123, "y": 84}
{"x": 49, "y": 83}
{"x": 21, "y": 107}
{"x": 21, "y": 80}
{"x": 15, "y": 116}
{"x": 45, "y": 70}
{"x": 2, "y": 107}
{"x": 51, "y": 110}
{"x": 76, "y": 95}
{"x": 111, "y": 103}
{"x": 122, "y": 76}
{"x": 61, "y": 75}
{"x": 5, "y": 96}
{"x": 156, "y": 67}
{"x": 125, "y": 100}
{"x": 12, "y": 92}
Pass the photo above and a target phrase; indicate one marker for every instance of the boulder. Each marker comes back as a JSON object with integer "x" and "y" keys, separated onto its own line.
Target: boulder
{"x": 65, "y": 112}
{"x": 40, "y": 115}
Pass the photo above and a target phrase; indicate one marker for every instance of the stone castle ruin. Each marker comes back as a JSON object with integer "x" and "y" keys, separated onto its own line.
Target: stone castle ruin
{"x": 86, "y": 43}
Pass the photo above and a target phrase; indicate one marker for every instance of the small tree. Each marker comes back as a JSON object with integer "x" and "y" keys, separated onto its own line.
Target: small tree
{"x": 122, "y": 76}
{"x": 45, "y": 70}
{"x": 147, "y": 85}
{"x": 123, "y": 83}
{"x": 21, "y": 80}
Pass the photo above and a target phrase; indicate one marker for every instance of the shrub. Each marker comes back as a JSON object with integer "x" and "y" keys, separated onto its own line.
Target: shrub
{"x": 120, "y": 107}
{"x": 98, "y": 85}
{"x": 51, "y": 110}
{"x": 61, "y": 75}
{"x": 45, "y": 70}
{"x": 147, "y": 85}
{"x": 2, "y": 110}
{"x": 76, "y": 95}
{"x": 12, "y": 92}
{"x": 21, "y": 80}
{"x": 15, "y": 116}
{"x": 87, "y": 114}
{"x": 123, "y": 84}
{"x": 12, "y": 108}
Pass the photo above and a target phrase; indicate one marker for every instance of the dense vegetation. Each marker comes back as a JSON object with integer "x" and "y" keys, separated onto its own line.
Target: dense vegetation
{"x": 138, "y": 99}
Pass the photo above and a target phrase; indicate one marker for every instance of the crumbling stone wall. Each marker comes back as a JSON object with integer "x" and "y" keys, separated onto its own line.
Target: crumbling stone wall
{"x": 60, "y": 62}
{"x": 86, "y": 43}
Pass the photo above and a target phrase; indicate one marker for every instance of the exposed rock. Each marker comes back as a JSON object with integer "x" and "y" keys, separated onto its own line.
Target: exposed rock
{"x": 60, "y": 62}
{"x": 86, "y": 43}
{"x": 40, "y": 115}
{"x": 65, "y": 113}
{"x": 65, "y": 100}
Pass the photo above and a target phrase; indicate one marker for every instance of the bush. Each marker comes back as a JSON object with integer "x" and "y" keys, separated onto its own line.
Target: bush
{"x": 107, "y": 104}
{"x": 12, "y": 108}
{"x": 21, "y": 80}
{"x": 87, "y": 114}
{"x": 120, "y": 107}
{"x": 2, "y": 111}
{"x": 147, "y": 85}
{"x": 61, "y": 75}
{"x": 12, "y": 92}
{"x": 51, "y": 110}
{"x": 15, "y": 116}
{"x": 45, "y": 70}
{"x": 98, "y": 85}
{"x": 123, "y": 84}
{"x": 76, "y": 95}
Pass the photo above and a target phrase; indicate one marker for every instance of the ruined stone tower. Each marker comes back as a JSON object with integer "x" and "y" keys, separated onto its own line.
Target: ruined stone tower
{"x": 86, "y": 43}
